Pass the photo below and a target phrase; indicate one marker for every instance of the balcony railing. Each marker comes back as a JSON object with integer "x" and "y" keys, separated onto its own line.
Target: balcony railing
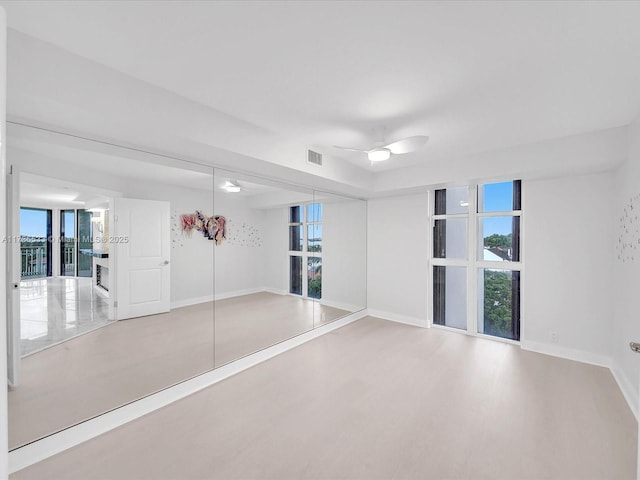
{"x": 69, "y": 257}
{"x": 33, "y": 259}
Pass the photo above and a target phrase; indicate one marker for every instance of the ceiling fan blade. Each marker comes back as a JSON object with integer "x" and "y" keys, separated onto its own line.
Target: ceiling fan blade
{"x": 406, "y": 145}
{"x": 349, "y": 149}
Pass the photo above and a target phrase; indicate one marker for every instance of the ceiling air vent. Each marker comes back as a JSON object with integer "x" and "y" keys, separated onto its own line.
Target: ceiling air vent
{"x": 314, "y": 158}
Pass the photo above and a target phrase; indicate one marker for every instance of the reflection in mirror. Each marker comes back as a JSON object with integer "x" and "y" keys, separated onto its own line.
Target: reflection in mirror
{"x": 336, "y": 267}
{"x": 115, "y": 299}
{"x": 259, "y": 265}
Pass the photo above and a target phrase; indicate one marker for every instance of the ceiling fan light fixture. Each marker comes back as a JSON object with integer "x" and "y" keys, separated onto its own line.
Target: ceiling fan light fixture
{"x": 379, "y": 154}
{"x": 231, "y": 187}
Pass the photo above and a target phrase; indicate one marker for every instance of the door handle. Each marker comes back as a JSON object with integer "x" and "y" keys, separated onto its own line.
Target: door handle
{"x": 634, "y": 346}
{"x": 166, "y": 262}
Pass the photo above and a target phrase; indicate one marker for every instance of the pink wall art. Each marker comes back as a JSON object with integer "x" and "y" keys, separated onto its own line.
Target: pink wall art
{"x": 212, "y": 228}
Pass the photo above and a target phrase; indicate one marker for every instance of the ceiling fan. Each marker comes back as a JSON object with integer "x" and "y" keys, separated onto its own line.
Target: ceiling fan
{"x": 384, "y": 152}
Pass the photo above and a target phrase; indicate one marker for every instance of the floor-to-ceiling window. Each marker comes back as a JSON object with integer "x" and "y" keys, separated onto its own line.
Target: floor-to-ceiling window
{"x": 35, "y": 242}
{"x": 305, "y": 250}
{"x": 85, "y": 242}
{"x": 476, "y": 260}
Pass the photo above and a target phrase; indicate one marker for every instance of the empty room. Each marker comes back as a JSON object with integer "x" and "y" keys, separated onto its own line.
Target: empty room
{"x": 320, "y": 240}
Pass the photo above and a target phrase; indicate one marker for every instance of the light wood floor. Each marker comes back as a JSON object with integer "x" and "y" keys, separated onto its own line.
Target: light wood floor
{"x": 378, "y": 400}
{"x": 127, "y": 360}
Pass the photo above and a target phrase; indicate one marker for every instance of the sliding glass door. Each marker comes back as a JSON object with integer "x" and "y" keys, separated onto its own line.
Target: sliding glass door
{"x": 68, "y": 243}
{"x": 85, "y": 243}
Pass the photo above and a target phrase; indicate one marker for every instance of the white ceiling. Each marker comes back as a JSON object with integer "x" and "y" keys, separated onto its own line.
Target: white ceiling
{"x": 474, "y": 76}
{"x": 36, "y": 194}
{"x": 96, "y": 159}
{"x": 108, "y": 159}
{"x": 39, "y": 191}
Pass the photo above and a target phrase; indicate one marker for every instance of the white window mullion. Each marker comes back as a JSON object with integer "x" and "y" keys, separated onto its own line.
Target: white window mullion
{"x": 472, "y": 271}
{"x": 305, "y": 254}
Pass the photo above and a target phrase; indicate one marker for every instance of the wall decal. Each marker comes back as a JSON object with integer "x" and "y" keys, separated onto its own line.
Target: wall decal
{"x": 212, "y": 228}
{"x": 177, "y": 239}
{"x": 244, "y": 235}
{"x": 628, "y": 241}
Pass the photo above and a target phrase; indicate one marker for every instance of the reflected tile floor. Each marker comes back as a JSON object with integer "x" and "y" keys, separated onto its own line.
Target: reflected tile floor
{"x": 56, "y": 309}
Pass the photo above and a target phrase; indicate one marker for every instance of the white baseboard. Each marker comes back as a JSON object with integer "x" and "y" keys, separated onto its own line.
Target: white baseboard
{"x": 238, "y": 293}
{"x": 394, "y": 317}
{"x": 568, "y": 353}
{"x": 628, "y": 389}
{"x": 222, "y": 296}
{"x": 191, "y": 301}
{"x": 342, "y": 306}
{"x": 629, "y": 392}
{"x": 70, "y": 437}
{"x": 275, "y": 290}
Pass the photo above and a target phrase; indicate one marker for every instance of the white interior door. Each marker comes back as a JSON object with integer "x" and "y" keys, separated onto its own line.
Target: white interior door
{"x": 13, "y": 276}
{"x": 142, "y": 247}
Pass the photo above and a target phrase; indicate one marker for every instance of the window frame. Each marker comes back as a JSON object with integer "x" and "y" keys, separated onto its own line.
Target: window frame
{"x": 473, "y": 263}
{"x": 304, "y": 224}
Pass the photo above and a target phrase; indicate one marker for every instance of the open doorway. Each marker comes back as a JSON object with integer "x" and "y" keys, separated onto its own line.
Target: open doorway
{"x": 35, "y": 242}
{"x": 62, "y": 294}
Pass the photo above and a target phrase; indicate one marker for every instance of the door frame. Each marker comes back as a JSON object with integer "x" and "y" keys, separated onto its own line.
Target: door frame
{"x": 14, "y": 272}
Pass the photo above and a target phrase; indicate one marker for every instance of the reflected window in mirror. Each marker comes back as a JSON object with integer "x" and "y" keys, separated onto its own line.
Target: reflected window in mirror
{"x": 305, "y": 248}
{"x": 296, "y": 235}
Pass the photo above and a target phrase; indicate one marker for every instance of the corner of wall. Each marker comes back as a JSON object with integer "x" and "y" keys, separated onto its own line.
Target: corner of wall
{"x": 566, "y": 353}
{"x": 627, "y": 387}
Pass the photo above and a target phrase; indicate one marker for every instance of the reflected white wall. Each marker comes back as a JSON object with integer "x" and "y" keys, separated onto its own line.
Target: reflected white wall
{"x": 344, "y": 262}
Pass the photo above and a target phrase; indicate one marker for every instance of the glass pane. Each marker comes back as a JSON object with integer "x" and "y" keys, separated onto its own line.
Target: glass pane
{"x": 314, "y": 212}
{"x": 452, "y": 201}
{"x": 314, "y": 277}
{"x": 450, "y": 296}
{"x": 495, "y": 197}
{"x": 450, "y": 238}
{"x": 499, "y": 239}
{"x": 343, "y": 263}
{"x": 295, "y": 238}
{"x": 499, "y": 303}
{"x": 85, "y": 242}
{"x": 68, "y": 242}
{"x": 35, "y": 232}
{"x": 295, "y": 275}
{"x": 314, "y": 237}
{"x": 295, "y": 214}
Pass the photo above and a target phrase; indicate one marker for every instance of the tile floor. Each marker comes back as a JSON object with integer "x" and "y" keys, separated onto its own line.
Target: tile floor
{"x": 56, "y": 309}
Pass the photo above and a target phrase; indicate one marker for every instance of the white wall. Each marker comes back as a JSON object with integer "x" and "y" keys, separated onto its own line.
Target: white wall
{"x": 240, "y": 265}
{"x": 397, "y": 235}
{"x": 626, "y": 274}
{"x": 567, "y": 260}
{"x": 344, "y": 262}
{"x": 276, "y": 241}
